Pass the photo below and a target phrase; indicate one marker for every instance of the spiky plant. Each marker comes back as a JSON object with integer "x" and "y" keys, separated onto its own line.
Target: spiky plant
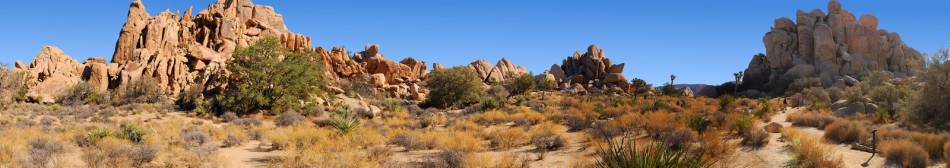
{"x": 626, "y": 154}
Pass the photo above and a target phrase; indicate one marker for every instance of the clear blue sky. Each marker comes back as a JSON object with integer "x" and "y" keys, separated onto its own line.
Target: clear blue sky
{"x": 700, "y": 41}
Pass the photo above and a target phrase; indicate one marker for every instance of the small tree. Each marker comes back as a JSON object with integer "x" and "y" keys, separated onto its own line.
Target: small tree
{"x": 640, "y": 86}
{"x": 930, "y": 103}
{"x": 452, "y": 87}
{"x": 266, "y": 76}
{"x": 523, "y": 84}
{"x": 546, "y": 84}
{"x": 738, "y": 76}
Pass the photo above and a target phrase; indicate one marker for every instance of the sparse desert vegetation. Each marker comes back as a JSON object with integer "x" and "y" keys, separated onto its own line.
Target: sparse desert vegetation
{"x": 229, "y": 88}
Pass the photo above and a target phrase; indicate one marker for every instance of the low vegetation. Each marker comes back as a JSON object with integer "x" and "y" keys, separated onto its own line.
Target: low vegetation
{"x": 456, "y": 86}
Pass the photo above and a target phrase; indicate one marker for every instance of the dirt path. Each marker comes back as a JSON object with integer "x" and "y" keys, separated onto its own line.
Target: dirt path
{"x": 246, "y": 156}
{"x": 851, "y": 158}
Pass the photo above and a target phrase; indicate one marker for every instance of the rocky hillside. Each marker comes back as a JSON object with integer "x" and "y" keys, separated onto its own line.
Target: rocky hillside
{"x": 191, "y": 50}
{"x": 819, "y": 49}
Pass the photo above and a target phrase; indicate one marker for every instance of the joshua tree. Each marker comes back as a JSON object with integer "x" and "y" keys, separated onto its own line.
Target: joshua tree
{"x": 672, "y": 78}
{"x": 738, "y": 76}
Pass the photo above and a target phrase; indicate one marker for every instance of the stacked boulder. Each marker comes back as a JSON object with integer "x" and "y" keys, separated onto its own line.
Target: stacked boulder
{"x": 53, "y": 71}
{"x": 826, "y": 48}
{"x": 591, "y": 71}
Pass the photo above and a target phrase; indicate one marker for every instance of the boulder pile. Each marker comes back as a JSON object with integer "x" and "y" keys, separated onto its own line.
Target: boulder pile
{"x": 590, "y": 71}
{"x": 826, "y": 49}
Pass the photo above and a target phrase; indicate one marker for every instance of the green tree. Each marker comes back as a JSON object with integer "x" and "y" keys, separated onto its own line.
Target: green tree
{"x": 523, "y": 84}
{"x": 546, "y": 84}
{"x": 930, "y": 103}
{"x": 453, "y": 87}
{"x": 266, "y": 76}
{"x": 640, "y": 86}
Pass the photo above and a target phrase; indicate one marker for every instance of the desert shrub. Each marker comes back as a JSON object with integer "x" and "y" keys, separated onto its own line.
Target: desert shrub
{"x": 508, "y": 138}
{"x": 755, "y": 138}
{"x": 930, "y": 142}
{"x": 43, "y": 151}
{"x": 627, "y": 154}
{"x": 449, "y": 159}
{"x": 714, "y": 146}
{"x": 192, "y": 98}
{"x": 946, "y": 152}
{"x": 194, "y": 137}
{"x": 743, "y": 124}
{"x": 726, "y": 102}
{"x": 112, "y": 152}
{"x": 547, "y": 136}
{"x": 526, "y": 116}
{"x": 254, "y": 84}
{"x": 844, "y": 131}
{"x": 817, "y": 98}
{"x": 811, "y": 119}
{"x": 698, "y": 123}
{"x": 289, "y": 118}
{"x": 343, "y": 121}
{"x": 231, "y": 141}
{"x": 13, "y": 86}
{"x": 80, "y": 94}
{"x": 492, "y": 117}
{"x": 143, "y": 90}
{"x": 660, "y": 121}
{"x": 625, "y": 123}
{"x": 905, "y": 154}
{"x": 229, "y": 116}
{"x": 677, "y": 139}
{"x": 453, "y": 87}
{"x": 132, "y": 132}
{"x": 809, "y": 151}
{"x": 765, "y": 110}
{"x": 91, "y": 137}
{"x": 522, "y": 84}
{"x": 929, "y": 106}
{"x": 889, "y": 97}
{"x": 361, "y": 86}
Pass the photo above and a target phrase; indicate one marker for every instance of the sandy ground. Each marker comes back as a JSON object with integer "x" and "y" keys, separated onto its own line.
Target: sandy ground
{"x": 246, "y": 156}
{"x": 776, "y": 153}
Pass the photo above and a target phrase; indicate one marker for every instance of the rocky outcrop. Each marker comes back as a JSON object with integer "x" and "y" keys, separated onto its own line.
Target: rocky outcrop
{"x": 591, "y": 69}
{"x": 51, "y": 73}
{"x": 500, "y": 72}
{"x": 827, "y": 47}
{"x": 186, "y": 50}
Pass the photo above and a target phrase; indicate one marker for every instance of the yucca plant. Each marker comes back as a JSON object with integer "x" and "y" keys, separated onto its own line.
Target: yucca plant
{"x": 343, "y": 121}
{"x": 626, "y": 154}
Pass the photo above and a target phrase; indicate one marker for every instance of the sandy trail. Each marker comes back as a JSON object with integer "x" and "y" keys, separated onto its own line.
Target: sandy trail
{"x": 776, "y": 153}
{"x": 246, "y": 156}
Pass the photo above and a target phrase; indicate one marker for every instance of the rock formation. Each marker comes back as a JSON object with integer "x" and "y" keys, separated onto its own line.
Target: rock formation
{"x": 827, "y": 47}
{"x": 591, "y": 69}
{"x": 53, "y": 71}
{"x": 186, "y": 50}
{"x": 500, "y": 72}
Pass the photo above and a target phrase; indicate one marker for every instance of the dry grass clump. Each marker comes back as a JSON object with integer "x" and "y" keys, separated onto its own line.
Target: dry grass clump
{"x": 526, "y": 116}
{"x": 755, "y": 137}
{"x": 933, "y": 143}
{"x": 618, "y": 126}
{"x": 445, "y": 140}
{"x": 113, "y": 152}
{"x": 811, "y": 119}
{"x": 714, "y": 147}
{"x": 904, "y": 153}
{"x": 289, "y": 118}
{"x": 677, "y": 139}
{"x": 303, "y": 146}
{"x": 576, "y": 118}
{"x": 31, "y": 147}
{"x": 508, "y": 138}
{"x": 844, "y": 131}
{"x": 810, "y": 152}
{"x": 661, "y": 121}
{"x": 492, "y": 117}
{"x": 547, "y": 136}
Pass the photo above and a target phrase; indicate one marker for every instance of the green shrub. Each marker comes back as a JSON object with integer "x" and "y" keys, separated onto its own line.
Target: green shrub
{"x": 266, "y": 76}
{"x": 640, "y": 86}
{"x": 142, "y": 90}
{"x": 80, "y": 94}
{"x": 523, "y": 84}
{"x": 765, "y": 111}
{"x": 13, "y": 86}
{"x": 343, "y": 121}
{"x": 457, "y": 86}
{"x": 817, "y": 97}
{"x": 930, "y": 106}
{"x": 743, "y": 124}
{"x": 627, "y": 154}
{"x": 725, "y": 102}
{"x": 889, "y": 97}
{"x": 132, "y": 133}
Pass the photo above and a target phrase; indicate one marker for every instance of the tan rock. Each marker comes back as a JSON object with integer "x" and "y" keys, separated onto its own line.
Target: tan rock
{"x": 52, "y": 73}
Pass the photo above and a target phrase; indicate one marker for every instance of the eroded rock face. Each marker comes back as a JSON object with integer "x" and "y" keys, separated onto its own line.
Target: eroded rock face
{"x": 52, "y": 73}
{"x": 827, "y": 47}
{"x": 500, "y": 72}
{"x": 591, "y": 68}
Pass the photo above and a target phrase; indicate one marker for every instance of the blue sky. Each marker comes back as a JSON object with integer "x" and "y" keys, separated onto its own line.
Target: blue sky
{"x": 700, "y": 41}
